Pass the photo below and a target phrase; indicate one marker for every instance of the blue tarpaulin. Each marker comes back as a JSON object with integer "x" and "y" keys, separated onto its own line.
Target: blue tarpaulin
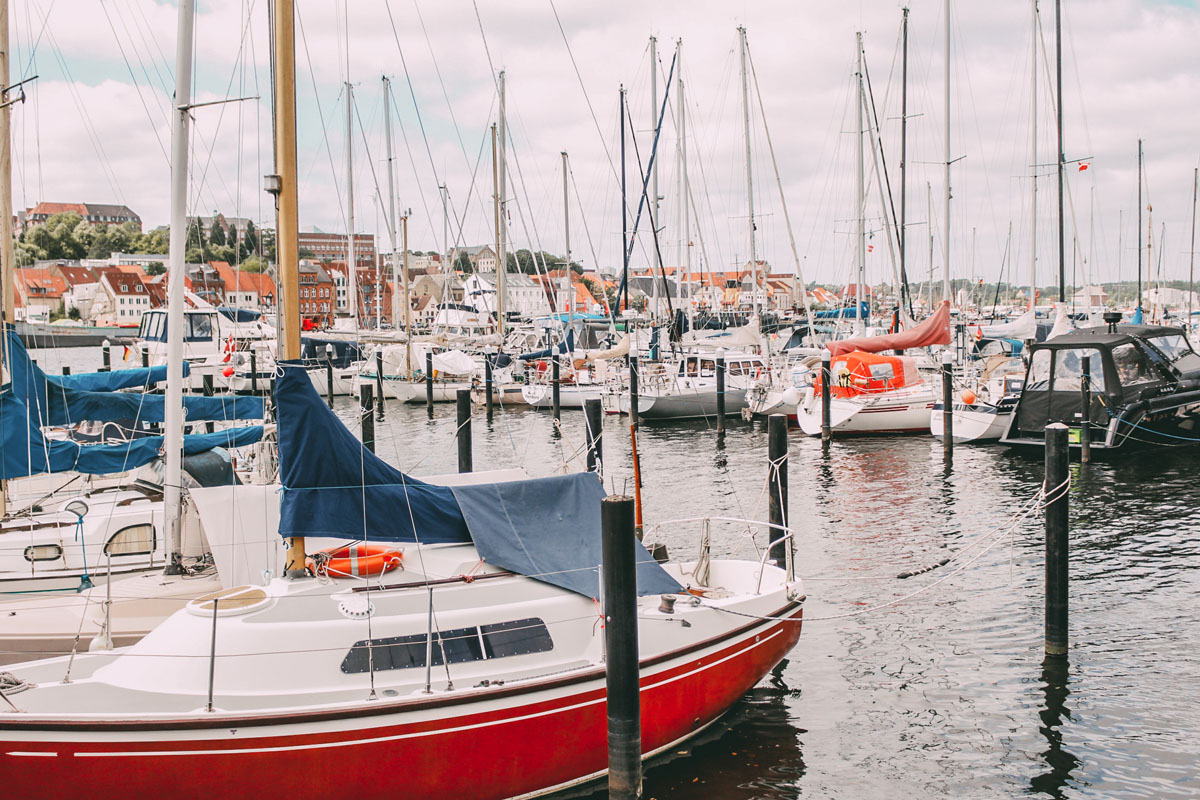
{"x": 55, "y": 403}
{"x": 24, "y": 451}
{"x": 118, "y": 378}
{"x": 546, "y": 528}
{"x": 849, "y": 312}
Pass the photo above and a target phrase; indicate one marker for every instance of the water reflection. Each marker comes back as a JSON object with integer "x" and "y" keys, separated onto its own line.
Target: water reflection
{"x": 1059, "y": 762}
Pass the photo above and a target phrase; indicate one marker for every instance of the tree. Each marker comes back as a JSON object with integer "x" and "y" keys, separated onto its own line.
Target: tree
{"x": 155, "y": 268}
{"x": 463, "y": 263}
{"x": 233, "y": 242}
{"x": 216, "y": 234}
{"x": 254, "y": 264}
{"x": 304, "y": 252}
{"x": 250, "y": 240}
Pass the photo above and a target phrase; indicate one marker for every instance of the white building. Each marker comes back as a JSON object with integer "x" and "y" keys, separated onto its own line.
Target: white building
{"x": 525, "y": 296}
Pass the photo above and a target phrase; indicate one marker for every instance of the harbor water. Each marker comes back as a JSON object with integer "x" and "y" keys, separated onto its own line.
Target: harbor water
{"x": 945, "y": 694}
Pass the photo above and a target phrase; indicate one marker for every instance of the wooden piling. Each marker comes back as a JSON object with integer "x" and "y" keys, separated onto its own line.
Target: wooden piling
{"x": 66, "y": 370}
{"x": 826, "y": 377}
{"x": 1057, "y": 554}
{"x": 1085, "y": 427}
{"x": 777, "y": 487}
{"x": 379, "y": 382}
{"x": 366, "y": 415}
{"x": 429, "y": 382}
{"x": 329, "y": 379}
{"x": 948, "y": 404}
{"x": 487, "y": 384}
{"x": 593, "y": 415}
{"x": 634, "y": 391}
{"x": 621, "y": 649}
{"x": 253, "y": 371}
{"x": 106, "y": 356}
{"x": 463, "y": 431}
{"x": 208, "y": 389}
{"x": 720, "y": 392}
{"x": 555, "y": 385}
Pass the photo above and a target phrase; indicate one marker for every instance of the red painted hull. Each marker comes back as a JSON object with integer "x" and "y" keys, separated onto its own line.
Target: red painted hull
{"x": 542, "y": 741}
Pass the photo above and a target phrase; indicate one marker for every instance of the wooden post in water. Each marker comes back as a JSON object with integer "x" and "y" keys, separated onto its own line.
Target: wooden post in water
{"x": 329, "y": 372}
{"x": 777, "y": 487}
{"x": 634, "y": 391}
{"x": 593, "y": 415}
{"x": 106, "y": 356}
{"x": 379, "y": 381}
{"x": 253, "y": 371}
{"x": 1085, "y": 427}
{"x": 720, "y": 392}
{"x": 206, "y": 382}
{"x": 1057, "y": 575}
{"x": 429, "y": 382}
{"x": 487, "y": 384}
{"x": 948, "y": 403}
{"x": 366, "y": 415}
{"x": 555, "y": 384}
{"x": 145, "y": 357}
{"x": 463, "y": 399}
{"x": 826, "y": 377}
{"x": 621, "y": 649}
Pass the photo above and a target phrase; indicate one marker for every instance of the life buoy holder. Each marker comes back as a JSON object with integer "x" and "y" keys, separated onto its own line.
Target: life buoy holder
{"x": 358, "y": 560}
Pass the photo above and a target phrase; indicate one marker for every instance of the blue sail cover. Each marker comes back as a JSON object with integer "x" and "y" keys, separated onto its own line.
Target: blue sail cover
{"x": 848, "y": 312}
{"x": 118, "y": 379}
{"x": 56, "y": 403}
{"x": 24, "y": 451}
{"x": 546, "y": 528}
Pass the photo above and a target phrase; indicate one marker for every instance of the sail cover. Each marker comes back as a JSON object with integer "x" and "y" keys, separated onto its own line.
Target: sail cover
{"x": 118, "y": 379}
{"x": 1023, "y": 328}
{"x": 54, "y": 402}
{"x": 935, "y": 329}
{"x": 546, "y": 528}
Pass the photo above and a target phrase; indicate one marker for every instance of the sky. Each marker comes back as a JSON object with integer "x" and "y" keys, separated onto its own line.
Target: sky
{"x": 95, "y": 126}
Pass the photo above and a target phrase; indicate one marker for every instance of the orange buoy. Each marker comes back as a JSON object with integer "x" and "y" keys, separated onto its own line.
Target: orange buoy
{"x": 359, "y": 560}
{"x": 968, "y": 397}
{"x": 227, "y": 372}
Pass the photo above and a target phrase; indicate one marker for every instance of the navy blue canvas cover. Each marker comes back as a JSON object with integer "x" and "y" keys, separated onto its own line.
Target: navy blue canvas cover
{"x": 546, "y": 528}
{"x": 118, "y": 379}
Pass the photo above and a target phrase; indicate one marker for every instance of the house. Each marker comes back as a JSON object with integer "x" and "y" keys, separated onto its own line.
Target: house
{"x": 204, "y": 281}
{"x": 316, "y": 294}
{"x": 327, "y": 247}
{"x": 445, "y": 287}
{"x": 41, "y": 292}
{"x": 424, "y": 311}
{"x": 94, "y": 213}
{"x": 1090, "y": 297}
{"x": 126, "y": 298}
{"x": 481, "y": 257}
{"x": 253, "y": 290}
{"x": 369, "y": 284}
{"x": 525, "y": 296}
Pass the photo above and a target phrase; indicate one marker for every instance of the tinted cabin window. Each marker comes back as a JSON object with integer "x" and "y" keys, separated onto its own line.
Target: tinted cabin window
{"x": 1173, "y": 347}
{"x": 1068, "y": 370}
{"x": 1132, "y": 367}
{"x": 735, "y": 368}
{"x": 1039, "y": 371}
{"x": 136, "y": 540}
{"x": 708, "y": 368}
{"x": 519, "y": 637}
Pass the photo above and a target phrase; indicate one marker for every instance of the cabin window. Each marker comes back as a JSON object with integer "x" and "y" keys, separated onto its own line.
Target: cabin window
{"x": 136, "y": 540}
{"x": 1132, "y": 367}
{"x": 461, "y": 645}
{"x": 1039, "y": 371}
{"x": 1068, "y": 370}
{"x": 43, "y": 552}
{"x": 199, "y": 328}
{"x": 708, "y": 368}
{"x": 1173, "y": 346}
{"x": 883, "y": 372}
{"x": 735, "y": 368}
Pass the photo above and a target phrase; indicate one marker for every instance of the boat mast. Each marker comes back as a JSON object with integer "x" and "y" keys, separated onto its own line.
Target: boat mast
{"x": 392, "y": 225}
{"x": 7, "y": 293}
{"x": 685, "y": 262}
{"x": 624, "y": 212}
{"x": 286, "y": 209}
{"x": 1062, "y": 253}
{"x": 750, "y": 169}
{"x": 351, "y": 266}
{"x": 905, "y": 300}
{"x": 1192, "y": 257}
{"x": 946, "y": 222}
{"x": 173, "y": 416}
{"x": 502, "y": 219}
{"x": 568, "y": 285}
{"x": 1140, "y": 234}
{"x": 1034, "y": 167}
{"x": 654, "y": 167}
{"x": 859, "y": 205}
{"x": 408, "y": 331}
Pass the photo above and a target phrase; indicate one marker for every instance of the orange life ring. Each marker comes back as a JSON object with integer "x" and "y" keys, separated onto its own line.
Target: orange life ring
{"x": 358, "y": 560}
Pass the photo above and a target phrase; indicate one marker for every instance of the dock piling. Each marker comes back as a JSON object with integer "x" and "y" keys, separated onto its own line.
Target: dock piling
{"x": 1085, "y": 427}
{"x": 593, "y": 416}
{"x": 720, "y": 392}
{"x": 826, "y": 377}
{"x": 621, "y": 649}
{"x": 634, "y": 391}
{"x": 329, "y": 372}
{"x": 555, "y": 384}
{"x": 145, "y": 357}
{"x": 463, "y": 399}
{"x": 66, "y": 370}
{"x": 429, "y": 382}
{"x": 948, "y": 403}
{"x": 106, "y": 356}
{"x": 366, "y": 415}
{"x": 253, "y": 371}
{"x": 379, "y": 381}
{"x": 777, "y": 485}
{"x": 208, "y": 389}
{"x": 487, "y": 384}
{"x": 1057, "y": 555}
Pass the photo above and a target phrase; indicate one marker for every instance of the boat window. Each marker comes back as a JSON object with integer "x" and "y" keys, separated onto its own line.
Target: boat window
{"x": 518, "y": 637}
{"x": 1068, "y": 370}
{"x": 1039, "y": 371}
{"x": 43, "y": 552}
{"x": 199, "y": 328}
{"x": 1132, "y": 367}
{"x": 708, "y": 368}
{"x": 883, "y": 371}
{"x": 136, "y": 540}
{"x": 1173, "y": 346}
{"x": 735, "y": 368}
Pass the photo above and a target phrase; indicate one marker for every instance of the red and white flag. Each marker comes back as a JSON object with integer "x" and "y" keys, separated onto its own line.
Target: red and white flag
{"x": 1083, "y": 166}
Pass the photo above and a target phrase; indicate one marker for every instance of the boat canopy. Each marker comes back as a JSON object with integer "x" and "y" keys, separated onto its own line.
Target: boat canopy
{"x": 1023, "y": 328}
{"x": 935, "y": 329}
{"x": 54, "y": 401}
{"x": 847, "y": 312}
{"x": 345, "y": 351}
{"x": 240, "y": 314}
{"x": 860, "y": 373}
{"x": 545, "y": 528}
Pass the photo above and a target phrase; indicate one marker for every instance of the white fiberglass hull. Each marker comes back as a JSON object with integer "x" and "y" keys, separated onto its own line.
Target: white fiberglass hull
{"x": 899, "y": 411}
{"x": 570, "y": 395}
{"x": 974, "y": 423}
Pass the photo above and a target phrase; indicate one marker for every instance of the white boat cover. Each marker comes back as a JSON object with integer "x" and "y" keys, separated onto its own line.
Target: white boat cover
{"x": 1062, "y": 323}
{"x": 620, "y": 351}
{"x": 454, "y": 362}
{"x": 1023, "y": 328}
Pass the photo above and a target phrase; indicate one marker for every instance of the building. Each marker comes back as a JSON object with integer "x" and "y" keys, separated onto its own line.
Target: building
{"x": 41, "y": 292}
{"x": 95, "y": 213}
{"x": 482, "y": 257}
{"x": 254, "y": 290}
{"x": 126, "y": 297}
{"x": 316, "y": 294}
{"x": 326, "y": 247}
{"x": 424, "y": 311}
{"x": 524, "y": 295}
{"x": 204, "y": 281}
{"x": 206, "y": 223}
{"x": 445, "y": 287}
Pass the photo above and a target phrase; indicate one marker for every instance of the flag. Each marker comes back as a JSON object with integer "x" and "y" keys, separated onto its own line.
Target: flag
{"x": 1083, "y": 165}
{"x": 870, "y": 248}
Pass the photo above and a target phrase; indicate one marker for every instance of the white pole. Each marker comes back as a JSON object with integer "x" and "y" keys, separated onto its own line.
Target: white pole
{"x": 946, "y": 237}
{"x": 685, "y": 263}
{"x": 654, "y": 167}
{"x": 568, "y": 285}
{"x": 859, "y": 205}
{"x": 391, "y": 212}
{"x": 1033, "y": 166}
{"x": 351, "y": 266}
{"x": 502, "y": 232}
{"x": 173, "y": 417}
{"x": 749, "y": 169}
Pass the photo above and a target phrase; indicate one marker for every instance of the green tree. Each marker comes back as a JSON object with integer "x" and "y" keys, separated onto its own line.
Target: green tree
{"x": 232, "y": 241}
{"x": 155, "y": 268}
{"x": 250, "y": 240}
{"x": 463, "y": 263}
{"x": 216, "y": 235}
{"x": 254, "y": 264}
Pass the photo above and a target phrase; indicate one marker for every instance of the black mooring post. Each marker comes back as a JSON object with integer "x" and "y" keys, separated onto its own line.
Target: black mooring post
{"x": 948, "y": 404}
{"x": 1057, "y": 576}
{"x": 253, "y": 372}
{"x": 720, "y": 392}
{"x": 106, "y": 356}
{"x": 633, "y": 390}
{"x": 379, "y": 382}
{"x": 66, "y": 370}
{"x": 463, "y": 399}
{"x": 826, "y": 377}
{"x": 208, "y": 389}
{"x": 621, "y": 649}
{"x": 1085, "y": 427}
{"x": 329, "y": 379}
{"x": 366, "y": 415}
{"x": 429, "y": 383}
{"x": 145, "y": 357}
{"x": 487, "y": 384}
{"x": 555, "y": 383}
{"x": 593, "y": 414}
{"x": 777, "y": 485}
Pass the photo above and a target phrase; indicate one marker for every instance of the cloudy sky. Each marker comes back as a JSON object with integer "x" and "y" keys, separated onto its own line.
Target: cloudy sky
{"x": 96, "y": 129}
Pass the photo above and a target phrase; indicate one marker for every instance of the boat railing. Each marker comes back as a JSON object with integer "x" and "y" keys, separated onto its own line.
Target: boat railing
{"x": 776, "y": 534}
